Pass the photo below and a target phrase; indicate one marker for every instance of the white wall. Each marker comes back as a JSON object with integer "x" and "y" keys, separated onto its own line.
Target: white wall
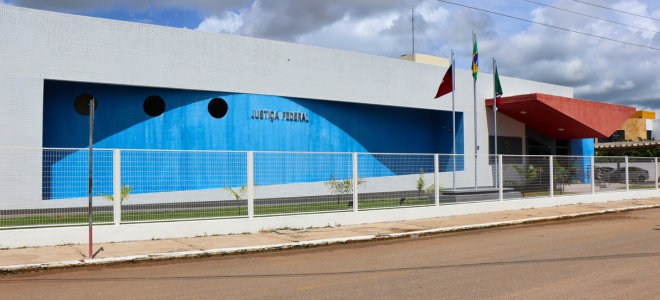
{"x": 654, "y": 126}
{"x": 147, "y": 231}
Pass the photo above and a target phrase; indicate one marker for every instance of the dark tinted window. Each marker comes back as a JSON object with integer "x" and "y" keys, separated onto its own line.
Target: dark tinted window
{"x": 81, "y": 104}
{"x": 218, "y": 108}
{"x": 154, "y": 106}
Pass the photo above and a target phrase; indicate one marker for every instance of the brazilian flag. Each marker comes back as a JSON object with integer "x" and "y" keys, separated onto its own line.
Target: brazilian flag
{"x": 475, "y": 60}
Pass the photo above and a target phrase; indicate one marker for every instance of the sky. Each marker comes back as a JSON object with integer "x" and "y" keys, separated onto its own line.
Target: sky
{"x": 597, "y": 69}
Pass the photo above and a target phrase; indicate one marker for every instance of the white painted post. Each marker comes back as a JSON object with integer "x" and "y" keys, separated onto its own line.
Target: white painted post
{"x": 593, "y": 176}
{"x": 501, "y": 173}
{"x": 655, "y": 159}
{"x": 250, "y": 184}
{"x": 436, "y": 180}
{"x": 552, "y": 177}
{"x": 355, "y": 181}
{"x": 116, "y": 186}
{"x": 627, "y": 178}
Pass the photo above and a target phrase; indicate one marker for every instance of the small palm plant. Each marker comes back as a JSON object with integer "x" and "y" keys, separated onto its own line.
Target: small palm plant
{"x": 431, "y": 188}
{"x": 125, "y": 192}
{"x": 562, "y": 176}
{"x": 526, "y": 176}
{"x": 340, "y": 187}
{"x": 238, "y": 194}
{"x": 336, "y": 187}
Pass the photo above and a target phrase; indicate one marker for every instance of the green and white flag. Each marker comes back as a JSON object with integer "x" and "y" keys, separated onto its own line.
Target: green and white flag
{"x": 498, "y": 89}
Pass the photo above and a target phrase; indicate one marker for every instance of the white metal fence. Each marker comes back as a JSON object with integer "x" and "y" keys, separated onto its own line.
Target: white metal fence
{"x": 49, "y": 187}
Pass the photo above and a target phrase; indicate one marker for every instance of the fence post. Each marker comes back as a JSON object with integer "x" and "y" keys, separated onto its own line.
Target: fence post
{"x": 627, "y": 178}
{"x": 250, "y": 184}
{"x": 355, "y": 181}
{"x": 593, "y": 175}
{"x": 501, "y": 174}
{"x": 552, "y": 176}
{"x": 116, "y": 186}
{"x": 436, "y": 179}
{"x": 655, "y": 159}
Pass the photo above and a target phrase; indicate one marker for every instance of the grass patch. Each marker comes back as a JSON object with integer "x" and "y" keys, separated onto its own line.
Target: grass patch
{"x": 62, "y": 219}
{"x": 638, "y": 187}
{"x": 546, "y": 193}
{"x": 393, "y": 203}
{"x": 107, "y": 217}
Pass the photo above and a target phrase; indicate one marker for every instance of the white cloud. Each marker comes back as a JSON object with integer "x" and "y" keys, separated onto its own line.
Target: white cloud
{"x": 228, "y": 23}
{"x": 637, "y": 8}
{"x": 433, "y": 13}
{"x": 362, "y": 35}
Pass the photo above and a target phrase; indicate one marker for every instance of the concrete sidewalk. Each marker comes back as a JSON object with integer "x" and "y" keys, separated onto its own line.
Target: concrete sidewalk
{"x": 13, "y": 260}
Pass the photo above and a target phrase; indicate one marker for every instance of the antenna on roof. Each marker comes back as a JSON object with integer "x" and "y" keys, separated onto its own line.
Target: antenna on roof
{"x": 413, "y": 29}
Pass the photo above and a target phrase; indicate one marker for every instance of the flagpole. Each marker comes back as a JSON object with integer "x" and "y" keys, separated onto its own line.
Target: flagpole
{"x": 476, "y": 185}
{"x": 495, "y": 120}
{"x": 453, "y": 115}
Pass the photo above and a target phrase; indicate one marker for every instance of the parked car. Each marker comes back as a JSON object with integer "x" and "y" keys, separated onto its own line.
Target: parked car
{"x": 634, "y": 174}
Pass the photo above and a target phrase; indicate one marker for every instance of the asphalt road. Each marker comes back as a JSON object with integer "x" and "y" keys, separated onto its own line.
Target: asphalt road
{"x": 614, "y": 256}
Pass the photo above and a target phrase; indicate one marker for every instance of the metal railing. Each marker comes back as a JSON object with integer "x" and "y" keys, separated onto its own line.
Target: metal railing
{"x": 48, "y": 187}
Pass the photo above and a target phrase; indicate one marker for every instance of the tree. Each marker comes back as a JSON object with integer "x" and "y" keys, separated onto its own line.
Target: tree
{"x": 639, "y": 153}
{"x": 125, "y": 192}
{"x": 341, "y": 187}
{"x": 526, "y": 176}
{"x": 238, "y": 194}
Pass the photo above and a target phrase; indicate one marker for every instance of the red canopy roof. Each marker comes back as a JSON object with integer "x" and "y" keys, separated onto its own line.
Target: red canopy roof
{"x": 564, "y": 118}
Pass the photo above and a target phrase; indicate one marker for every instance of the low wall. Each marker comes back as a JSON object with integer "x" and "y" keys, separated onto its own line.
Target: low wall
{"x": 163, "y": 230}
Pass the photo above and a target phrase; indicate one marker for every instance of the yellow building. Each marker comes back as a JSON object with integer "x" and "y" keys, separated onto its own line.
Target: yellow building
{"x": 638, "y": 126}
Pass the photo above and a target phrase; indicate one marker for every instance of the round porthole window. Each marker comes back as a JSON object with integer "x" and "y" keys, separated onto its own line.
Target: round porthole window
{"x": 81, "y": 104}
{"x": 218, "y": 108}
{"x": 154, "y": 106}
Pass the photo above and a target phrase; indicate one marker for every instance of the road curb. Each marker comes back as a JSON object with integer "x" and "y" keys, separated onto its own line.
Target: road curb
{"x": 296, "y": 245}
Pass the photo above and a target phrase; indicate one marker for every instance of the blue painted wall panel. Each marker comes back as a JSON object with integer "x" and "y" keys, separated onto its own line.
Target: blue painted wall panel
{"x": 186, "y": 125}
{"x": 583, "y": 147}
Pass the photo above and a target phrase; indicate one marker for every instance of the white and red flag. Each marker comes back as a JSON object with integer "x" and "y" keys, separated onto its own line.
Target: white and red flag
{"x": 446, "y": 84}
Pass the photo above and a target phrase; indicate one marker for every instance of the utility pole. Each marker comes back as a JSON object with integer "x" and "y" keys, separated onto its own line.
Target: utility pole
{"x": 91, "y": 143}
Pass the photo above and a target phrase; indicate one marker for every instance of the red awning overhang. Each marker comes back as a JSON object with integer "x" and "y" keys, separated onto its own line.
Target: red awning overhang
{"x": 564, "y": 118}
